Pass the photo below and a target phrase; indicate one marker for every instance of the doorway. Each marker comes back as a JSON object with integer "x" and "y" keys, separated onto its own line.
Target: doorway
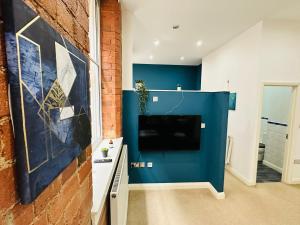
{"x": 274, "y": 133}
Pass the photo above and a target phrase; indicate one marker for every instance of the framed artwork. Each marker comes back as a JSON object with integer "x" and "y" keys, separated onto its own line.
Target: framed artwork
{"x": 232, "y": 101}
{"x": 49, "y": 88}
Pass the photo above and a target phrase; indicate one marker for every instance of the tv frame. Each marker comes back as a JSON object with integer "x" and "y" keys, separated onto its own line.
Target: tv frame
{"x": 167, "y": 149}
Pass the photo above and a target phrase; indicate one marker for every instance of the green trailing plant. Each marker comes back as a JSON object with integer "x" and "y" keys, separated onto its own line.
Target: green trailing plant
{"x": 143, "y": 95}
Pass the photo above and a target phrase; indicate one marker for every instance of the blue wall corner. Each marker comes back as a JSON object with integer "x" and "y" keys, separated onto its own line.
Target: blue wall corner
{"x": 204, "y": 165}
{"x": 166, "y": 77}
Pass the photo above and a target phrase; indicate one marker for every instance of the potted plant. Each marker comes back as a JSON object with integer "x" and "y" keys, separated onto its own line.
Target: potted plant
{"x": 143, "y": 95}
{"x": 104, "y": 152}
{"x": 138, "y": 84}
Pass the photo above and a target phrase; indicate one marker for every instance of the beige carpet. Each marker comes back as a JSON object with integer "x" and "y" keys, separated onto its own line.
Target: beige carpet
{"x": 265, "y": 204}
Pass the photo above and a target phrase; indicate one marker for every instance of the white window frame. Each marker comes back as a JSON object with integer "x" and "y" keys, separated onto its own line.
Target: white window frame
{"x": 95, "y": 73}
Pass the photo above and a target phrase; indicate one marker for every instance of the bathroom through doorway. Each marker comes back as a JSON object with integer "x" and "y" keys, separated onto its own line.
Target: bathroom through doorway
{"x": 274, "y": 133}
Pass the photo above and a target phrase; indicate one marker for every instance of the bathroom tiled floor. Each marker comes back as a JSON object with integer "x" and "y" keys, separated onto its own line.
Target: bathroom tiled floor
{"x": 266, "y": 174}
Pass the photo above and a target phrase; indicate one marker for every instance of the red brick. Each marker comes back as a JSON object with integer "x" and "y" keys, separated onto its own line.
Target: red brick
{"x": 45, "y": 197}
{"x": 41, "y": 219}
{"x": 106, "y": 78}
{"x": 2, "y": 218}
{"x": 106, "y": 53}
{"x": 22, "y": 214}
{"x": 49, "y": 6}
{"x": 85, "y": 5}
{"x": 109, "y": 21}
{"x": 61, "y": 221}
{"x": 4, "y": 110}
{"x": 72, "y": 210}
{"x": 108, "y": 47}
{"x": 106, "y": 66}
{"x": 84, "y": 170}
{"x": 85, "y": 207}
{"x": 2, "y": 46}
{"x": 72, "y": 5}
{"x": 107, "y": 59}
{"x": 6, "y": 143}
{"x": 82, "y": 18}
{"x": 85, "y": 187}
{"x": 69, "y": 171}
{"x": 55, "y": 210}
{"x": 89, "y": 151}
{"x": 90, "y": 180}
{"x": 110, "y": 5}
{"x": 69, "y": 189}
{"x": 59, "y": 203}
{"x": 86, "y": 220}
{"x": 8, "y": 195}
{"x": 64, "y": 17}
{"x": 81, "y": 36}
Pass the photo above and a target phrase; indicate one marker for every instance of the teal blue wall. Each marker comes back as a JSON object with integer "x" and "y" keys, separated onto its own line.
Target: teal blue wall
{"x": 198, "y": 77}
{"x": 204, "y": 165}
{"x": 166, "y": 77}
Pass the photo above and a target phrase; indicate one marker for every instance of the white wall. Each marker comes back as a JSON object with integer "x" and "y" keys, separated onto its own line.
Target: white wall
{"x": 276, "y": 103}
{"x": 127, "y": 49}
{"x": 280, "y": 61}
{"x": 237, "y": 62}
{"x": 269, "y": 51}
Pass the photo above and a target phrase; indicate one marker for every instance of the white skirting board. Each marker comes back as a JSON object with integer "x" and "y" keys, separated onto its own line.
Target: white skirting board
{"x": 239, "y": 176}
{"x": 273, "y": 166}
{"x": 295, "y": 181}
{"x": 174, "y": 186}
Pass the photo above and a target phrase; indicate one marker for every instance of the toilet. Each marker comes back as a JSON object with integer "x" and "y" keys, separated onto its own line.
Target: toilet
{"x": 261, "y": 152}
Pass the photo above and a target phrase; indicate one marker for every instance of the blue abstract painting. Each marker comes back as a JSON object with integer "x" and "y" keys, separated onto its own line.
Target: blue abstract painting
{"x": 49, "y": 85}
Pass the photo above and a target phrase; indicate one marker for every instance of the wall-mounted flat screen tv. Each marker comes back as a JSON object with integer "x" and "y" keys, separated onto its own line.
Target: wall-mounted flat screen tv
{"x": 169, "y": 132}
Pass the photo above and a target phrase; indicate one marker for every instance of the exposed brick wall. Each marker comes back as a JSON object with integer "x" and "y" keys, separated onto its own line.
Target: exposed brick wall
{"x": 68, "y": 200}
{"x": 111, "y": 60}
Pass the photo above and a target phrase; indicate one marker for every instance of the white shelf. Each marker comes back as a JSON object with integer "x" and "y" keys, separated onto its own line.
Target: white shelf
{"x": 102, "y": 175}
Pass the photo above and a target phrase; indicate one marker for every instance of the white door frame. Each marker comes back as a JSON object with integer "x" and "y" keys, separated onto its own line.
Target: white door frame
{"x": 288, "y": 152}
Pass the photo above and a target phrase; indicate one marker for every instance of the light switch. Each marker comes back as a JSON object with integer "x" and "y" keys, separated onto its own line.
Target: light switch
{"x": 202, "y": 125}
{"x": 155, "y": 99}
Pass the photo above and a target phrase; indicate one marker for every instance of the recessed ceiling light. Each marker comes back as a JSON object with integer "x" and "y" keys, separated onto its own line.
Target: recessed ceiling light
{"x": 199, "y": 43}
{"x": 175, "y": 27}
{"x": 156, "y": 42}
{"x": 181, "y": 58}
{"x": 151, "y": 57}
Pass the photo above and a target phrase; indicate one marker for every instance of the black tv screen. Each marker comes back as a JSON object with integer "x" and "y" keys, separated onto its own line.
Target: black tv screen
{"x": 172, "y": 132}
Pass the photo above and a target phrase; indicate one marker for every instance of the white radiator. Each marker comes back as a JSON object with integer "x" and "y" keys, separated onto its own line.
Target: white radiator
{"x": 119, "y": 192}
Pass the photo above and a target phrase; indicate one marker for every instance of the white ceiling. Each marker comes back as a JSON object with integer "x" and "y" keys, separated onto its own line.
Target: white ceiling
{"x": 215, "y": 22}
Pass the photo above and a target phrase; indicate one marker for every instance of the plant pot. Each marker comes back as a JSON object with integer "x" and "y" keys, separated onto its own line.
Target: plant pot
{"x": 104, "y": 154}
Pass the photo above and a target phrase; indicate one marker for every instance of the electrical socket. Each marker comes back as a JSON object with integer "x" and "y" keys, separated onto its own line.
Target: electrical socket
{"x": 142, "y": 164}
{"x": 149, "y": 164}
{"x": 134, "y": 165}
{"x": 155, "y": 98}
